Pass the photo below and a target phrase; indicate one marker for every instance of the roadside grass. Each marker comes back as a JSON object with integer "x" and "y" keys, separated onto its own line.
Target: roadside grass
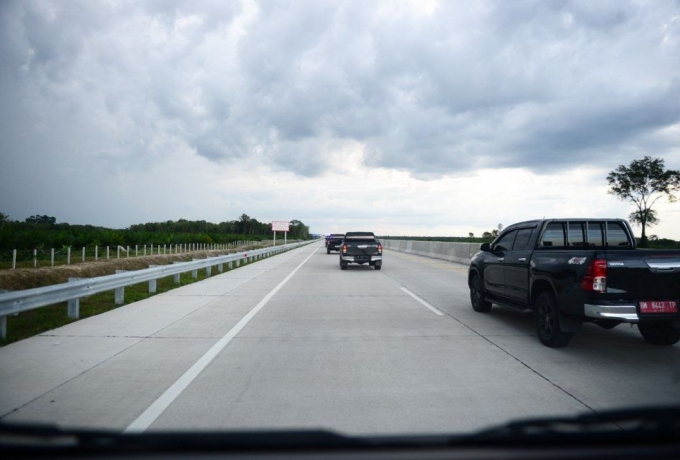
{"x": 33, "y": 322}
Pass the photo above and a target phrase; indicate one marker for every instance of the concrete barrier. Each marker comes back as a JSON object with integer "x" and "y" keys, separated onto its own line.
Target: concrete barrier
{"x": 455, "y": 252}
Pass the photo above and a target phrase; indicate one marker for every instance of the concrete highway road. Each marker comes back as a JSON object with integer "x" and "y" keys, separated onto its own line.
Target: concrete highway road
{"x": 294, "y": 342}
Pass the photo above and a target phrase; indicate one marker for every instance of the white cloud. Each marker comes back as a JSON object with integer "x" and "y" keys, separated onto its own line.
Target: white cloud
{"x": 413, "y": 117}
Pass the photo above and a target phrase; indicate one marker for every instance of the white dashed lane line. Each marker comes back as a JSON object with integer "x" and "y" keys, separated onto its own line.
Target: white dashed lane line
{"x": 434, "y": 310}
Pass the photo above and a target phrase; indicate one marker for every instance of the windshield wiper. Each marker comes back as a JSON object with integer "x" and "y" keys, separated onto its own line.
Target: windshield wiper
{"x": 644, "y": 423}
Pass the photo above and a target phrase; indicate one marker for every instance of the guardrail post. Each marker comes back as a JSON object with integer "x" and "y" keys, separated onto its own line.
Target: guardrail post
{"x": 208, "y": 271}
{"x": 128, "y": 252}
{"x": 73, "y": 304}
{"x": 152, "y": 283}
{"x": 96, "y": 253}
{"x": 52, "y": 257}
{"x": 194, "y": 273}
{"x": 83, "y": 253}
{"x": 176, "y": 276}
{"x": 119, "y": 296}
{"x": 220, "y": 268}
{"x": 14, "y": 259}
{"x": 3, "y": 321}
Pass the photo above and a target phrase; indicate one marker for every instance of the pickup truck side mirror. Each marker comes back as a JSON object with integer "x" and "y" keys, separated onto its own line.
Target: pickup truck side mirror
{"x": 485, "y": 247}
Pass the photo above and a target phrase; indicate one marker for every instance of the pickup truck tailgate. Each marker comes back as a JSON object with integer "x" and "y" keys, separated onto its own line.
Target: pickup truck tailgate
{"x": 644, "y": 275}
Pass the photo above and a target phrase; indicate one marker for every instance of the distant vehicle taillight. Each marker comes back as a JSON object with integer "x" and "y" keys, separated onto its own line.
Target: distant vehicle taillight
{"x": 344, "y": 248}
{"x": 595, "y": 278}
{"x": 380, "y": 249}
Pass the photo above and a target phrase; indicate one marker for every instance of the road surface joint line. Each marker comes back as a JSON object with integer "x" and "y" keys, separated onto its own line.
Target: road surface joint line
{"x": 534, "y": 371}
{"x": 531, "y": 369}
{"x": 168, "y": 397}
{"x": 423, "y": 302}
{"x": 70, "y": 380}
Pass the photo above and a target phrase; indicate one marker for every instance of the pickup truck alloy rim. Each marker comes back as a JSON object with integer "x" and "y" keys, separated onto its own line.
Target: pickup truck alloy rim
{"x": 548, "y": 326}
{"x": 477, "y": 296}
{"x": 546, "y": 317}
{"x": 474, "y": 292}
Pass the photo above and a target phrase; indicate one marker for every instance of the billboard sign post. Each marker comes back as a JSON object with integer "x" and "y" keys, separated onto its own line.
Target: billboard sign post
{"x": 281, "y": 226}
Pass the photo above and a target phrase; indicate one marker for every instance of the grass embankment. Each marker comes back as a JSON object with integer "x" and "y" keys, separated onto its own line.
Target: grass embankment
{"x": 29, "y": 323}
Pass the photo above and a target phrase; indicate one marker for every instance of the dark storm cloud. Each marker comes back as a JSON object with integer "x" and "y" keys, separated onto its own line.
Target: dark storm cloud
{"x": 535, "y": 84}
{"x": 583, "y": 130}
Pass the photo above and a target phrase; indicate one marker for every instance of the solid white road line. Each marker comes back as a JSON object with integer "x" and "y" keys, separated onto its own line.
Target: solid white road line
{"x": 434, "y": 310}
{"x": 156, "y": 409}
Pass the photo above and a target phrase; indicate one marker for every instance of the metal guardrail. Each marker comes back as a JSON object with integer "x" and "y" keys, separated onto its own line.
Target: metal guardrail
{"x": 29, "y": 299}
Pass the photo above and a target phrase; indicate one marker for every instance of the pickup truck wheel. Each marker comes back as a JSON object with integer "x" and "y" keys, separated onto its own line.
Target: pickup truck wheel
{"x": 378, "y": 266}
{"x": 477, "y": 296}
{"x": 343, "y": 265}
{"x": 328, "y": 251}
{"x": 548, "y": 322}
{"x": 659, "y": 333}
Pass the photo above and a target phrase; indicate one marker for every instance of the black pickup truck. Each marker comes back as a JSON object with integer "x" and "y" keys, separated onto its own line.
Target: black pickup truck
{"x": 361, "y": 248}
{"x": 571, "y": 271}
{"x": 333, "y": 242}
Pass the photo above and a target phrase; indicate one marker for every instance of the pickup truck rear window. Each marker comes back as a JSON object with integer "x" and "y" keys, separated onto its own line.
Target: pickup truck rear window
{"x": 576, "y": 237}
{"x": 595, "y": 234}
{"x": 553, "y": 236}
{"x": 616, "y": 235}
{"x": 556, "y": 235}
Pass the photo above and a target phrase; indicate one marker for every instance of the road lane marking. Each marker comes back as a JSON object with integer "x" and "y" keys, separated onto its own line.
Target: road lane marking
{"x": 434, "y": 310}
{"x": 163, "y": 402}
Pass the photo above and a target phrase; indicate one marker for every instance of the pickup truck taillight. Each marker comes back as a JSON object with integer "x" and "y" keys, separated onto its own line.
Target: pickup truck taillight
{"x": 595, "y": 278}
{"x": 344, "y": 248}
{"x": 380, "y": 249}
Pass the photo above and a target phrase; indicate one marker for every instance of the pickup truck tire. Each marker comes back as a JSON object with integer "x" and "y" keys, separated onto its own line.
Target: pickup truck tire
{"x": 547, "y": 317}
{"x": 659, "y": 333}
{"x": 343, "y": 265}
{"x": 328, "y": 251}
{"x": 378, "y": 266}
{"x": 477, "y": 296}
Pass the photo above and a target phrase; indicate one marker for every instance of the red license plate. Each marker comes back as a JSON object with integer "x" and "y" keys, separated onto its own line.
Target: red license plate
{"x": 658, "y": 306}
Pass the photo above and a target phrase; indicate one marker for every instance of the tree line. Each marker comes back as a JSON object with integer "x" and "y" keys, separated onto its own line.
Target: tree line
{"x": 41, "y": 231}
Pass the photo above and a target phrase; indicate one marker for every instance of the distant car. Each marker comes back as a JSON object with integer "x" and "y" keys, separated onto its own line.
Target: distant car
{"x": 361, "y": 248}
{"x": 333, "y": 242}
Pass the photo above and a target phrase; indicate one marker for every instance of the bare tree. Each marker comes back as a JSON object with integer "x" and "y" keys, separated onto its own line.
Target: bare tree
{"x": 643, "y": 182}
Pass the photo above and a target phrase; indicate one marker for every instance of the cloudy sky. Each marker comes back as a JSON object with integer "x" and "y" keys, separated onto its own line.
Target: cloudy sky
{"x": 401, "y": 117}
